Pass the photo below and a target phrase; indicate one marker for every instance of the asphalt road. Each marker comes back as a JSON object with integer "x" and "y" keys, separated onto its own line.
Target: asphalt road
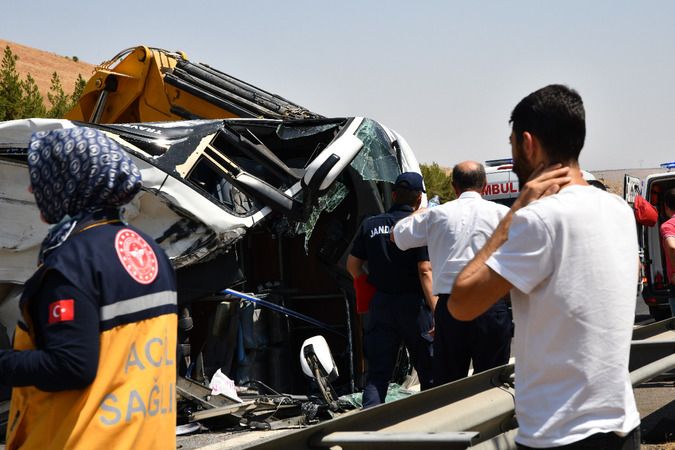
{"x": 641, "y": 311}
{"x": 656, "y": 401}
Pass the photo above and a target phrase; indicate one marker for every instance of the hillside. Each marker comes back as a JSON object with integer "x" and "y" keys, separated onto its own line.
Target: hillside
{"x": 41, "y": 65}
{"x": 613, "y": 179}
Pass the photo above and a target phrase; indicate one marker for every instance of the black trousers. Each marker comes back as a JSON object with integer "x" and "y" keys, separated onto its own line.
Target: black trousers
{"x": 485, "y": 341}
{"x": 393, "y": 319}
{"x": 605, "y": 441}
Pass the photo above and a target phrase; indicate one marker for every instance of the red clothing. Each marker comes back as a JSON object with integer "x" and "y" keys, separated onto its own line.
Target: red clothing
{"x": 645, "y": 213}
{"x": 668, "y": 231}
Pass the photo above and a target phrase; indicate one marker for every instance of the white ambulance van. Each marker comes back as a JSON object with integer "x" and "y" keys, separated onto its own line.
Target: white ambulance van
{"x": 657, "y": 289}
{"x": 502, "y": 182}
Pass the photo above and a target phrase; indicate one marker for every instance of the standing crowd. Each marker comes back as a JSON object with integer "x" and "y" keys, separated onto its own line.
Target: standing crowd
{"x": 93, "y": 364}
{"x": 561, "y": 243}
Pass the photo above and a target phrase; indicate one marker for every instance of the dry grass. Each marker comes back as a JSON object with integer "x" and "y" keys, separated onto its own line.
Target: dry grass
{"x": 41, "y": 65}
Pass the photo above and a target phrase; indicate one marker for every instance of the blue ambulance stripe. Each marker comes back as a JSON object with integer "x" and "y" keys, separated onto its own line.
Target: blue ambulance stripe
{"x": 137, "y": 304}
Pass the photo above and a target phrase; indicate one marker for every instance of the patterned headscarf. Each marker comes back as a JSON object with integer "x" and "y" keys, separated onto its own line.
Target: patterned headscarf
{"x": 79, "y": 170}
{"x": 74, "y": 172}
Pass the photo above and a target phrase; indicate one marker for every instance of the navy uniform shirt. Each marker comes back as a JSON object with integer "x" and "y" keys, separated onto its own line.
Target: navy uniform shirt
{"x": 390, "y": 270}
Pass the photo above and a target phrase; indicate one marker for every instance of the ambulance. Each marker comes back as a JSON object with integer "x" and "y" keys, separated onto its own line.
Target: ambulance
{"x": 502, "y": 182}
{"x": 657, "y": 289}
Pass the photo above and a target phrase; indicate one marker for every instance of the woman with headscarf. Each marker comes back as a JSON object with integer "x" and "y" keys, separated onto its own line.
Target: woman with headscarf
{"x": 93, "y": 364}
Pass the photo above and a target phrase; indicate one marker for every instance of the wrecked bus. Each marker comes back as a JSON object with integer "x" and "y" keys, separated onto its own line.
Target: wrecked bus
{"x": 265, "y": 207}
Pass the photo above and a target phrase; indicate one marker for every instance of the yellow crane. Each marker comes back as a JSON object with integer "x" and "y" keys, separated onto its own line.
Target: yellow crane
{"x": 144, "y": 84}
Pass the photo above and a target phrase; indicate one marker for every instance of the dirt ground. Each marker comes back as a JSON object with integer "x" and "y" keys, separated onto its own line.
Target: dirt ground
{"x": 41, "y": 65}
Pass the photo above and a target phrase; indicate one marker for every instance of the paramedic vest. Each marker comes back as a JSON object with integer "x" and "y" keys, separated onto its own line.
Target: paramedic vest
{"x": 131, "y": 403}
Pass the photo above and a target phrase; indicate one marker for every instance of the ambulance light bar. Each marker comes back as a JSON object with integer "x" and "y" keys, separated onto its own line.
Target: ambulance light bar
{"x": 498, "y": 162}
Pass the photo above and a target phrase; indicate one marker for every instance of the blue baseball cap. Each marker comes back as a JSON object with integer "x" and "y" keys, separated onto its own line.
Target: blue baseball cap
{"x": 410, "y": 180}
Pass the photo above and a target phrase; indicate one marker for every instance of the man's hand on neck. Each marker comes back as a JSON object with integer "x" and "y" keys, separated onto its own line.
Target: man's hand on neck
{"x": 545, "y": 181}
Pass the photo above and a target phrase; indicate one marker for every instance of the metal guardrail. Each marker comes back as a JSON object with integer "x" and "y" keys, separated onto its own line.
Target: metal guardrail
{"x": 653, "y": 330}
{"x": 482, "y": 403}
{"x": 372, "y": 440}
{"x": 475, "y": 412}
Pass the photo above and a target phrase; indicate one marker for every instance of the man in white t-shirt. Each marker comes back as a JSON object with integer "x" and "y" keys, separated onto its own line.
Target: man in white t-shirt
{"x": 567, "y": 252}
{"x": 454, "y": 232}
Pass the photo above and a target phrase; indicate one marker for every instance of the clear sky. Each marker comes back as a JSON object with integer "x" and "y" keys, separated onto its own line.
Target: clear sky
{"x": 444, "y": 74}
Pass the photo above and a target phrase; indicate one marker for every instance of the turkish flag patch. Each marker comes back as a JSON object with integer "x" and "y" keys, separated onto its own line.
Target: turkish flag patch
{"x": 62, "y": 311}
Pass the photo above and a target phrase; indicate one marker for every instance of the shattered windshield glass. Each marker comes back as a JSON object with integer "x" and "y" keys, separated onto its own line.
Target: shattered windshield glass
{"x": 327, "y": 202}
{"x": 288, "y": 133}
{"x": 377, "y": 159}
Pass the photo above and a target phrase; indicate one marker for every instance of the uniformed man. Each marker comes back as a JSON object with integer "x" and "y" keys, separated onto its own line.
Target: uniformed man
{"x": 93, "y": 365}
{"x": 402, "y": 306}
{"x": 454, "y": 232}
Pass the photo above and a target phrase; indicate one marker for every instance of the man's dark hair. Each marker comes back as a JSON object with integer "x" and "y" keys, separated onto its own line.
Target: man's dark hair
{"x": 472, "y": 179}
{"x": 555, "y": 115}
{"x": 669, "y": 199}
{"x": 405, "y": 196}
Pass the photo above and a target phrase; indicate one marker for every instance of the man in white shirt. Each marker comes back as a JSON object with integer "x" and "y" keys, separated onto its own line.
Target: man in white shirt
{"x": 454, "y": 232}
{"x": 567, "y": 252}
